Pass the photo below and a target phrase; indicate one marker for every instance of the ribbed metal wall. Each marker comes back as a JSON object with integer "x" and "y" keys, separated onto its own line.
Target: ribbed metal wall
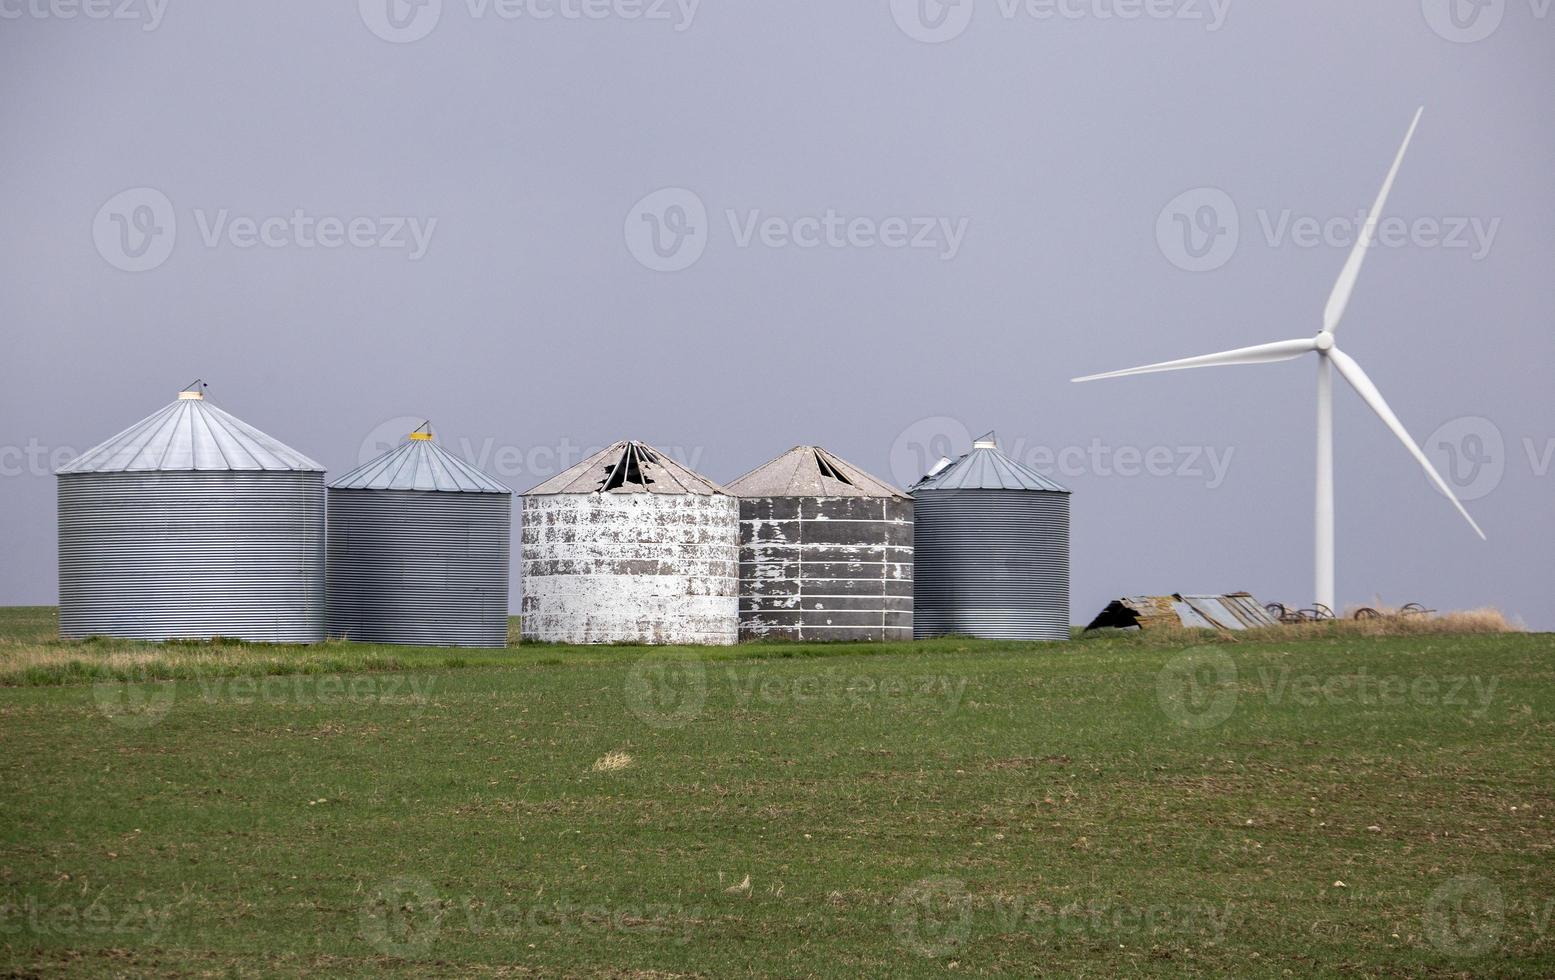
{"x": 826, "y": 568}
{"x": 631, "y": 568}
{"x": 991, "y": 563}
{"x": 419, "y": 568}
{"x": 170, "y": 555}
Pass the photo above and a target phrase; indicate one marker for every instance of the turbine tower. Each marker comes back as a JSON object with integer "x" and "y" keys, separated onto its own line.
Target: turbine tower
{"x": 1329, "y": 359}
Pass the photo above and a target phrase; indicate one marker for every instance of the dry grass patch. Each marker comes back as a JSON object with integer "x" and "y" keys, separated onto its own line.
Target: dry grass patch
{"x": 1395, "y": 622}
{"x": 612, "y": 762}
{"x": 64, "y": 661}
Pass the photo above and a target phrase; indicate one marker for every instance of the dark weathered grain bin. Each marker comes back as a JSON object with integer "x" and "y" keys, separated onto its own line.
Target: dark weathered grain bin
{"x": 630, "y": 547}
{"x": 419, "y": 551}
{"x": 991, "y": 546}
{"x": 825, "y": 551}
{"x": 192, "y": 524}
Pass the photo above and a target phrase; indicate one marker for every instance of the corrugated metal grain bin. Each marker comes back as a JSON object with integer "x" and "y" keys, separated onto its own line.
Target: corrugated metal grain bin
{"x": 825, "y": 551}
{"x": 630, "y": 547}
{"x": 420, "y": 544}
{"x": 991, "y": 545}
{"x": 192, "y": 524}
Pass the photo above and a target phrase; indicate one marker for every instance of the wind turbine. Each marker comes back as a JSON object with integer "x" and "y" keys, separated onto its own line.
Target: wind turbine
{"x": 1329, "y": 358}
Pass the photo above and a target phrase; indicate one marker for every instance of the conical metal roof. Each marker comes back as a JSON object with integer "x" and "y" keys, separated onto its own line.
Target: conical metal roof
{"x": 810, "y": 471}
{"x": 190, "y": 434}
{"x": 629, "y": 467}
{"x": 419, "y": 464}
{"x": 986, "y": 468}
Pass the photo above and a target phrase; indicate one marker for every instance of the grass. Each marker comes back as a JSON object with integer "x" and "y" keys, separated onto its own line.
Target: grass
{"x": 1315, "y": 803}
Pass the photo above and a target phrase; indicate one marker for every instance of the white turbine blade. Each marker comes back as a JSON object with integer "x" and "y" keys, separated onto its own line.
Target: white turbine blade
{"x": 1351, "y": 372}
{"x": 1340, "y": 297}
{"x": 1282, "y": 350}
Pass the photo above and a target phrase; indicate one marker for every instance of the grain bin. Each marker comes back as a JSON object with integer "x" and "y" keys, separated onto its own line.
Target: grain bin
{"x": 825, "y": 551}
{"x": 630, "y": 547}
{"x": 419, "y": 549}
{"x": 192, "y": 524}
{"x": 991, "y": 544}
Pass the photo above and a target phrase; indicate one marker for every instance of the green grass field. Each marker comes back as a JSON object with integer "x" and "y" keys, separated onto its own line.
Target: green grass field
{"x": 1283, "y": 807}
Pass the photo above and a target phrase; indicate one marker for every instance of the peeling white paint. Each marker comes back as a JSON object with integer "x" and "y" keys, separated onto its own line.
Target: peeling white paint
{"x": 631, "y": 568}
{"x": 826, "y": 568}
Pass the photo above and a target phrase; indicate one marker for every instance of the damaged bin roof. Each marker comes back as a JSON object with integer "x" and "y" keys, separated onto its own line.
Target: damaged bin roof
{"x": 985, "y": 468}
{"x": 629, "y": 467}
{"x": 1231, "y": 611}
{"x": 810, "y": 471}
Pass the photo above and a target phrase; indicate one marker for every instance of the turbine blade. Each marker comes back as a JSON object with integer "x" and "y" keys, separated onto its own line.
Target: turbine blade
{"x": 1282, "y": 350}
{"x": 1340, "y": 297}
{"x": 1352, "y": 372}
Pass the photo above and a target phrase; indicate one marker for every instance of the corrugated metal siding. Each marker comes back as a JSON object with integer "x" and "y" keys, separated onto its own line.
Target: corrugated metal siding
{"x": 1233, "y": 611}
{"x": 631, "y": 568}
{"x": 826, "y": 568}
{"x": 166, "y": 555}
{"x": 991, "y": 563}
{"x": 1249, "y": 610}
{"x": 1191, "y": 614}
{"x": 1236, "y": 611}
{"x": 419, "y": 568}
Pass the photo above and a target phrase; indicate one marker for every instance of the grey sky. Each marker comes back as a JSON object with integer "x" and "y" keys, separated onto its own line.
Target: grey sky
{"x": 1032, "y": 152}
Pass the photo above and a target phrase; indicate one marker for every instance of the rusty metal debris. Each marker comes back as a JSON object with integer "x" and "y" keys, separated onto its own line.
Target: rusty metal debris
{"x": 1319, "y": 612}
{"x": 1410, "y": 609}
{"x": 1289, "y": 614}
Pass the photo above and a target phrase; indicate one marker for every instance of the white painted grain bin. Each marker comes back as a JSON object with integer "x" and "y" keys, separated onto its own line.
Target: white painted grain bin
{"x": 630, "y": 547}
{"x": 192, "y": 524}
{"x": 825, "y": 551}
{"x": 419, "y": 550}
